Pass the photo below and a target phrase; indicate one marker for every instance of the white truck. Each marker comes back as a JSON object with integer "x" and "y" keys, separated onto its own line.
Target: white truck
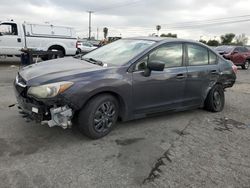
{"x": 15, "y": 36}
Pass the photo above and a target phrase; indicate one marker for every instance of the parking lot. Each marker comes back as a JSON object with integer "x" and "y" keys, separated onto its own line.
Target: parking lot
{"x": 186, "y": 149}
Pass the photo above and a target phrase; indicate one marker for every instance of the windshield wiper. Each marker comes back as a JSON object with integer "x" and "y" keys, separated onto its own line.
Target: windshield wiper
{"x": 94, "y": 61}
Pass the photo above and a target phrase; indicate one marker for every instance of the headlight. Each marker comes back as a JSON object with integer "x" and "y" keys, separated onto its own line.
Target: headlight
{"x": 49, "y": 90}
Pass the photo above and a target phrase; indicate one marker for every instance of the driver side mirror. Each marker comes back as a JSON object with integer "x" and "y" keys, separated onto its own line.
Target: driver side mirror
{"x": 1, "y": 34}
{"x": 154, "y": 66}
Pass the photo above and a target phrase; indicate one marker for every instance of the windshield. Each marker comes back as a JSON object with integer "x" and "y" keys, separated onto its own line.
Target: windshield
{"x": 225, "y": 49}
{"x": 119, "y": 52}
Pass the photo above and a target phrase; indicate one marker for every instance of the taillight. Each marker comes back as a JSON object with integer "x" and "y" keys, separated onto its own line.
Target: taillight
{"x": 77, "y": 44}
{"x": 235, "y": 69}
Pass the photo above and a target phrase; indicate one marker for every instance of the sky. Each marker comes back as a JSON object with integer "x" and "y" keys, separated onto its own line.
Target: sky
{"x": 128, "y": 18}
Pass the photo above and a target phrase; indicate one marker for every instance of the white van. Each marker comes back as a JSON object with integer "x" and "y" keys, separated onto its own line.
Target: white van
{"x": 14, "y": 36}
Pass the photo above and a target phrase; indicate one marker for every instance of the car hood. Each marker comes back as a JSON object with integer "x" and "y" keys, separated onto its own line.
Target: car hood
{"x": 57, "y": 68}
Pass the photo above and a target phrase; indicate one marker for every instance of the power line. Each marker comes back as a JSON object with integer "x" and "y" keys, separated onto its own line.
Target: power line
{"x": 192, "y": 23}
{"x": 189, "y": 26}
{"x": 119, "y": 5}
{"x": 186, "y": 25}
{"x": 209, "y": 20}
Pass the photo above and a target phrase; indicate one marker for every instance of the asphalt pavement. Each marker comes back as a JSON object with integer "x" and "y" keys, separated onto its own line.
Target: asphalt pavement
{"x": 187, "y": 149}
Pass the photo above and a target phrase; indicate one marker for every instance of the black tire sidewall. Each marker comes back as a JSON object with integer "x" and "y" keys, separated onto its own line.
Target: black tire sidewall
{"x": 246, "y": 67}
{"x": 56, "y": 56}
{"x": 209, "y": 103}
{"x": 86, "y": 116}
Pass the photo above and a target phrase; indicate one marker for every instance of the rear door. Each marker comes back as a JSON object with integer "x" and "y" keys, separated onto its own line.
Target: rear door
{"x": 161, "y": 90}
{"x": 202, "y": 72}
{"x": 10, "y": 39}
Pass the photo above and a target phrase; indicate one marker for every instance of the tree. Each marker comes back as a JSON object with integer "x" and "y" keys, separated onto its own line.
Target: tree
{"x": 213, "y": 43}
{"x": 169, "y": 35}
{"x": 203, "y": 41}
{"x": 241, "y": 39}
{"x": 227, "y": 38}
{"x": 105, "y": 32}
{"x": 158, "y": 28}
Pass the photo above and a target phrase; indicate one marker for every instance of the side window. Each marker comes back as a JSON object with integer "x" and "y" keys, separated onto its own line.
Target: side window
{"x": 197, "y": 55}
{"x": 237, "y": 49}
{"x": 8, "y": 29}
{"x": 171, "y": 55}
{"x": 244, "y": 49}
{"x": 142, "y": 64}
{"x": 212, "y": 58}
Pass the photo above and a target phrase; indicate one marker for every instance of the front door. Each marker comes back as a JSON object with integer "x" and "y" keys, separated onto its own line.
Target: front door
{"x": 10, "y": 40}
{"x": 161, "y": 90}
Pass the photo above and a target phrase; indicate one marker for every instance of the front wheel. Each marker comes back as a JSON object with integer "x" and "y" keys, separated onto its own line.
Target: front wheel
{"x": 246, "y": 65}
{"x": 99, "y": 116}
{"x": 215, "y": 99}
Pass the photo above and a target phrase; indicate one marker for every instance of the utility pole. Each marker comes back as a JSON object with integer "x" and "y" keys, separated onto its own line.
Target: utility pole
{"x": 90, "y": 12}
{"x": 97, "y": 33}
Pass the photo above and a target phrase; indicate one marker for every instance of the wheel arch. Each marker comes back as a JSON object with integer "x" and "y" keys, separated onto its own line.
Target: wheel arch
{"x": 58, "y": 47}
{"x": 119, "y": 98}
{"x": 209, "y": 89}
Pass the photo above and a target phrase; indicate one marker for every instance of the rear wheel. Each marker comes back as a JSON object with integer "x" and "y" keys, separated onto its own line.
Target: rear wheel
{"x": 58, "y": 49}
{"x": 246, "y": 65}
{"x": 215, "y": 99}
{"x": 99, "y": 116}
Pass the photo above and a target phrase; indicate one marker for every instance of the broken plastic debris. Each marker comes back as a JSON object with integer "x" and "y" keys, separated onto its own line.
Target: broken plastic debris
{"x": 10, "y": 106}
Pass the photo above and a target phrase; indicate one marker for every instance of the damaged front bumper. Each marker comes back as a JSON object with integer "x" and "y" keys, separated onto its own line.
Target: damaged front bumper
{"x": 60, "y": 116}
{"x": 53, "y": 113}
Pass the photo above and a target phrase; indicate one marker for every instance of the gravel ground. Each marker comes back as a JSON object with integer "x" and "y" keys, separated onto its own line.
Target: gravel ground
{"x": 187, "y": 149}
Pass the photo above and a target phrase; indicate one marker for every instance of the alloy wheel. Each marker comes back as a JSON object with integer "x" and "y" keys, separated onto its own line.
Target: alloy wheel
{"x": 217, "y": 100}
{"x": 104, "y": 117}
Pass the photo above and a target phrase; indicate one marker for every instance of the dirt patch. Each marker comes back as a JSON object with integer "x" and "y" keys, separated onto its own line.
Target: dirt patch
{"x": 226, "y": 124}
{"x": 129, "y": 141}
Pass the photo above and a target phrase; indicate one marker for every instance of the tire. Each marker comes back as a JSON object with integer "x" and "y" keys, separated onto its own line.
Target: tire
{"x": 99, "y": 116}
{"x": 246, "y": 65}
{"x": 45, "y": 58}
{"x": 48, "y": 57}
{"x": 78, "y": 51}
{"x": 215, "y": 100}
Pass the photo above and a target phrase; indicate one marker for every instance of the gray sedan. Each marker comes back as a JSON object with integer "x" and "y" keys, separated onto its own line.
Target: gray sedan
{"x": 127, "y": 79}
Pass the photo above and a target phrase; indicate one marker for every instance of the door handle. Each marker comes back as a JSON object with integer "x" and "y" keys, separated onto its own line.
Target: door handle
{"x": 214, "y": 72}
{"x": 180, "y": 76}
{"x": 18, "y": 39}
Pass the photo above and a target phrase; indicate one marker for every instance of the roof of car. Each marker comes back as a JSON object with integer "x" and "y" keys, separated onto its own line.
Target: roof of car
{"x": 158, "y": 39}
{"x": 232, "y": 46}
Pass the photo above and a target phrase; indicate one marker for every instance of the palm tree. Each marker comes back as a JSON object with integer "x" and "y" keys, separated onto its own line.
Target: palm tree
{"x": 105, "y": 32}
{"x": 158, "y": 28}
